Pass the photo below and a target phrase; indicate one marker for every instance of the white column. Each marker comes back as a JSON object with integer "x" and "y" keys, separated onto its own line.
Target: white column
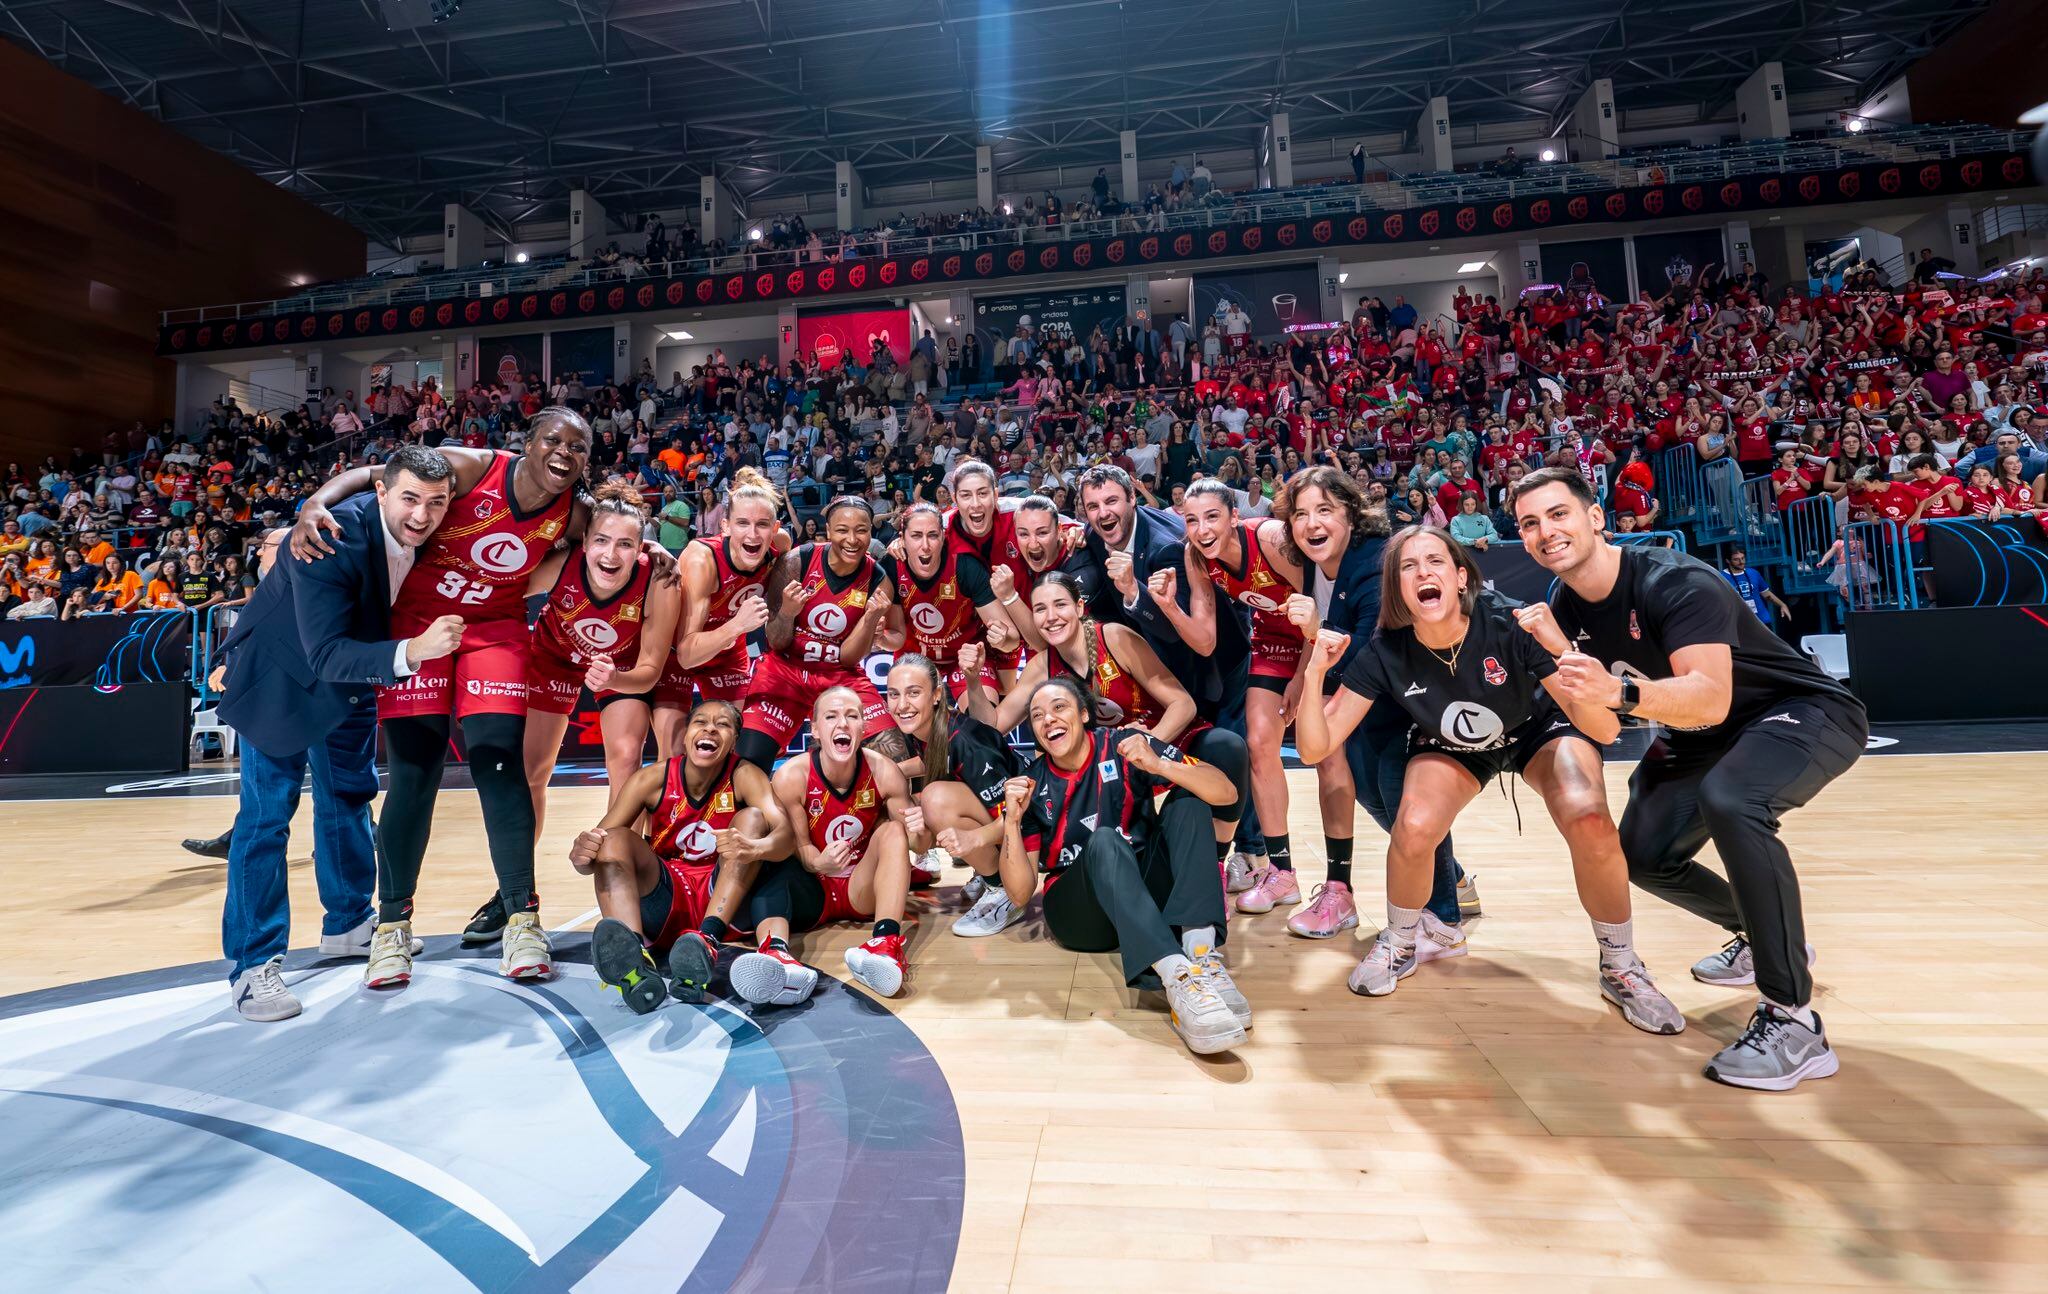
{"x": 785, "y": 334}
{"x": 846, "y": 194}
{"x": 1127, "y": 152}
{"x": 458, "y": 363}
{"x": 1282, "y": 143}
{"x": 1965, "y": 239}
{"x": 1433, "y": 135}
{"x": 1528, "y": 269}
{"x": 714, "y": 210}
{"x": 462, "y": 237}
{"x": 1594, "y": 132}
{"x": 1332, "y": 291}
{"x": 1760, "y": 110}
{"x": 1628, "y": 262}
{"x": 985, "y": 177}
{"x": 586, "y": 226}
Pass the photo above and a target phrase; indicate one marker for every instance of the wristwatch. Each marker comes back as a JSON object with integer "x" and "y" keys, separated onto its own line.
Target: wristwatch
{"x": 1631, "y": 697}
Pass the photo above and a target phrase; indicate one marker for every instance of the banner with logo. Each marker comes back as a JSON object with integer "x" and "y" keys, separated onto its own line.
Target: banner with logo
{"x": 835, "y": 333}
{"x": 927, "y": 270}
{"x": 100, "y": 651}
{"x": 1080, "y": 312}
{"x": 1271, "y": 296}
{"x": 509, "y": 359}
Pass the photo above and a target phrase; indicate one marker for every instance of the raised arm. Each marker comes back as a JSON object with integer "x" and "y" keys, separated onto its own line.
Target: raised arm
{"x": 1321, "y": 729}
{"x": 655, "y": 635}
{"x": 1196, "y": 625}
{"x": 641, "y": 793}
{"x": 1177, "y": 708}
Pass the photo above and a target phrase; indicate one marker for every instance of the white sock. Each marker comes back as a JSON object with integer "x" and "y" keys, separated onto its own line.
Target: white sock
{"x": 1172, "y": 965}
{"x": 1402, "y": 923}
{"x": 1617, "y": 943}
{"x": 1803, "y": 1014}
{"x": 1198, "y": 940}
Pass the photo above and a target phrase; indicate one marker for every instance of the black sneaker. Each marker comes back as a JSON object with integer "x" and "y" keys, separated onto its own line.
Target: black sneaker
{"x": 214, "y": 848}
{"x": 691, "y": 964}
{"x": 488, "y": 924}
{"x": 623, "y": 963}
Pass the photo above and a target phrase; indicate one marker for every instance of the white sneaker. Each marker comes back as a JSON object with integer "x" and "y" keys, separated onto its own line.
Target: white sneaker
{"x": 974, "y": 887}
{"x": 390, "y": 956}
{"x": 1468, "y": 897}
{"x": 1213, "y": 970}
{"x": 527, "y": 953}
{"x": 1735, "y": 964}
{"x": 1199, "y": 1014}
{"x": 926, "y": 868}
{"x": 1237, "y": 872}
{"x": 356, "y": 942}
{"x": 259, "y": 993}
{"x": 991, "y": 914}
{"x": 1436, "y": 939}
{"x": 1638, "y": 998}
{"x": 772, "y": 977}
{"x": 1384, "y": 965}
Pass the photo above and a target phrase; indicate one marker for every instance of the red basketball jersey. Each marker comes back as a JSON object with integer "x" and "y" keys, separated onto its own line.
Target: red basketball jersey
{"x": 477, "y": 563}
{"x": 842, "y": 813}
{"x": 732, "y": 581}
{"x": 831, "y": 607}
{"x": 1258, "y": 584}
{"x": 1119, "y": 701}
{"x": 683, "y": 826}
{"x": 997, "y": 548}
{"x": 939, "y": 614}
{"x": 576, "y": 625}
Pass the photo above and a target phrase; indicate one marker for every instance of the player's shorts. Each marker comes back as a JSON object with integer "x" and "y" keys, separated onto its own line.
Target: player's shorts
{"x": 781, "y": 696}
{"x": 1275, "y": 658}
{"x": 1511, "y": 756}
{"x": 723, "y": 678}
{"x": 679, "y": 901}
{"x": 955, "y": 678}
{"x": 826, "y": 896}
{"x": 1009, "y": 658}
{"x": 486, "y": 675}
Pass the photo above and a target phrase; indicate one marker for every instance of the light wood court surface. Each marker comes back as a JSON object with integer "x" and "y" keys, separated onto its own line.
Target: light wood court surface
{"x": 1493, "y": 1125}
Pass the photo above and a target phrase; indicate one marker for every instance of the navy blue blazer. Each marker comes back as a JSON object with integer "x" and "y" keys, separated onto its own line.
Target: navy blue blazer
{"x": 1355, "y": 596}
{"x": 312, "y": 640}
{"x": 1160, "y": 542}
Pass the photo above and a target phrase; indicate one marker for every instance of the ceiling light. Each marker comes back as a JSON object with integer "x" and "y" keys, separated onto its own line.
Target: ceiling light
{"x": 1549, "y": 154}
{"x": 754, "y": 234}
{"x": 677, "y": 334}
{"x": 1008, "y": 210}
{"x": 1471, "y": 267}
{"x": 949, "y": 321}
{"x": 1855, "y": 125}
{"x": 521, "y": 258}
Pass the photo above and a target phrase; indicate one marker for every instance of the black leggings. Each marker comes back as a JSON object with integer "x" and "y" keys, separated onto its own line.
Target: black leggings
{"x": 416, "y": 750}
{"x": 1378, "y": 754}
{"x": 1227, "y": 752}
{"x": 758, "y": 749}
{"x": 1112, "y": 900}
{"x": 787, "y": 889}
{"x": 1680, "y": 800}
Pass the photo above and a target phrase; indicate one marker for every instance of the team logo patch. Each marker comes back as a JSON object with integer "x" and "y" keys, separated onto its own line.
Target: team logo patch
{"x": 551, "y": 530}
{"x": 499, "y": 554}
{"x": 722, "y": 803}
{"x": 631, "y": 611}
{"x": 845, "y": 827}
{"x": 927, "y": 619}
{"x": 1105, "y": 669}
{"x": 866, "y": 798}
{"x": 1106, "y": 770}
{"x": 698, "y": 841}
{"x": 1470, "y": 726}
{"x": 827, "y": 621}
{"x": 1494, "y": 673}
{"x": 600, "y": 635}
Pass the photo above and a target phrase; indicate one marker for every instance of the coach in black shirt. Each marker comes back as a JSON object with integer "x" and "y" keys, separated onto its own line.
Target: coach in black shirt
{"x": 1751, "y": 730}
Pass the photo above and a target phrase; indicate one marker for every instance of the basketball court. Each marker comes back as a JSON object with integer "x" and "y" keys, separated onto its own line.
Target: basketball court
{"x": 1018, "y": 1120}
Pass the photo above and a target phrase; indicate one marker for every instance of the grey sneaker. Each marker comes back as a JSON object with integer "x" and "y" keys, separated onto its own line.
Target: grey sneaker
{"x": 1436, "y": 939}
{"x": 1734, "y": 966}
{"x": 1468, "y": 896}
{"x": 356, "y": 942}
{"x": 1385, "y": 965}
{"x": 991, "y": 914}
{"x": 1237, "y": 873}
{"x": 974, "y": 887}
{"x": 1641, "y": 1002}
{"x": 1199, "y": 1014}
{"x": 1213, "y": 970}
{"x": 259, "y": 993}
{"x": 1774, "y": 1054}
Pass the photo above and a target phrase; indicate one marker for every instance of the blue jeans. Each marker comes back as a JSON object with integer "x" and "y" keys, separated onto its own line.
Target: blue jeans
{"x": 1378, "y": 753}
{"x": 255, "y": 922}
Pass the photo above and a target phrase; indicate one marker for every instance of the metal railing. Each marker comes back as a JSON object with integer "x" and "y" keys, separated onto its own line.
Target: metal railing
{"x": 1877, "y": 561}
{"x": 1810, "y": 533}
{"x": 1332, "y": 198}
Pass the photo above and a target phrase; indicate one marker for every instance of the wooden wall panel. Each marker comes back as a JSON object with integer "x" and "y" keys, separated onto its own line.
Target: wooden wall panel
{"x": 107, "y": 218}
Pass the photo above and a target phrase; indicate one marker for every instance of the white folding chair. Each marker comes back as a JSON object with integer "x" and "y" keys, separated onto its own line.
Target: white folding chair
{"x": 1829, "y": 651}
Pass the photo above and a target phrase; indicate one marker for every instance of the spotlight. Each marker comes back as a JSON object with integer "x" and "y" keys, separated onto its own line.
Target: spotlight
{"x": 1549, "y": 154}
{"x": 754, "y": 234}
{"x": 1008, "y": 210}
{"x": 521, "y": 258}
{"x": 1855, "y": 125}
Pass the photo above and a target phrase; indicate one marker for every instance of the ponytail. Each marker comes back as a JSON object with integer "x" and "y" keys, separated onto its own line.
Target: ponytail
{"x": 937, "y": 741}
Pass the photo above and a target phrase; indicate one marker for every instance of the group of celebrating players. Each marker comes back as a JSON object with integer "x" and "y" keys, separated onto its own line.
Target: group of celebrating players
{"x": 1157, "y": 660}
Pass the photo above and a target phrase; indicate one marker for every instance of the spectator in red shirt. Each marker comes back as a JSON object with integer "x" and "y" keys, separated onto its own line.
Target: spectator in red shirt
{"x": 1456, "y": 486}
{"x": 1793, "y": 480}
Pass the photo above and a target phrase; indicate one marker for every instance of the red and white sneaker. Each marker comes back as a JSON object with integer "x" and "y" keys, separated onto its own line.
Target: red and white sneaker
{"x": 879, "y": 964}
{"x": 771, "y": 977}
{"x": 1271, "y": 887}
{"x": 526, "y": 952}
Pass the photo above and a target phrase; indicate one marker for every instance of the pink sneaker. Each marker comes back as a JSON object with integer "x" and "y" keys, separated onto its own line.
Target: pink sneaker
{"x": 1329, "y": 911}
{"x": 1271, "y": 887}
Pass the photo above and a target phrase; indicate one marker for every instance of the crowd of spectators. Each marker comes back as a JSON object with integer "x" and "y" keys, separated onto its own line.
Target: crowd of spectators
{"x": 1901, "y": 405}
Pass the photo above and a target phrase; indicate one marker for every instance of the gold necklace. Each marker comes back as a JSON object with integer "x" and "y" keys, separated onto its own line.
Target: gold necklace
{"x": 1451, "y": 662}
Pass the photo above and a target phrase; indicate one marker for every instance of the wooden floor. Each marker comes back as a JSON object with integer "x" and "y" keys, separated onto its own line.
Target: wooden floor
{"x": 1491, "y": 1126}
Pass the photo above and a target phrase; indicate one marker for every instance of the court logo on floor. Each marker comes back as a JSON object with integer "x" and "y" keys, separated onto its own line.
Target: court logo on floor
{"x": 467, "y": 1133}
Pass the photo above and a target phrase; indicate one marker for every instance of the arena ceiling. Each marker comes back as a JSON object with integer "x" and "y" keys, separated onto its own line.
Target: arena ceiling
{"x": 510, "y": 104}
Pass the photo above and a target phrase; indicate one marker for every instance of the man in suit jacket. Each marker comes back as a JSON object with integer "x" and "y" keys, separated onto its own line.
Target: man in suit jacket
{"x": 301, "y": 664}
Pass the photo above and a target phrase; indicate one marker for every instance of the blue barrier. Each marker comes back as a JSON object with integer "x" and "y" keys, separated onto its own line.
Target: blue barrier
{"x": 1719, "y": 515}
{"x": 1809, "y": 530}
{"x": 1877, "y": 561}
{"x": 1763, "y": 530}
{"x": 1678, "y": 483}
{"x": 1661, "y": 538}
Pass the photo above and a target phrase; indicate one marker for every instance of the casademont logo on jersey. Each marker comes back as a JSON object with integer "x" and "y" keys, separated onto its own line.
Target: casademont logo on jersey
{"x": 844, "y": 828}
{"x": 827, "y": 621}
{"x": 1255, "y": 598}
{"x": 698, "y": 841}
{"x": 927, "y": 618}
{"x": 599, "y": 634}
{"x": 499, "y": 554}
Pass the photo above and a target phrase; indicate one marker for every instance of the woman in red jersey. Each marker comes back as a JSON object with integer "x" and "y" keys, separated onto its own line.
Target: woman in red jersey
{"x": 943, "y": 602}
{"x": 678, "y": 889}
{"x": 722, "y": 604}
{"x": 606, "y": 626}
{"x": 825, "y": 602}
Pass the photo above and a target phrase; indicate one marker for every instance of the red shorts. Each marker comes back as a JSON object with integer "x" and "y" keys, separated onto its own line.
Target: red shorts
{"x": 1274, "y": 656}
{"x": 689, "y": 899}
{"x": 956, "y": 678}
{"x": 781, "y": 696}
{"x": 723, "y": 678}
{"x": 838, "y": 902}
{"x": 486, "y": 675}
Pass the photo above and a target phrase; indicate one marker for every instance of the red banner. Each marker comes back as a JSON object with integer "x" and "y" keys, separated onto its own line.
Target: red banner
{"x": 856, "y": 331}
